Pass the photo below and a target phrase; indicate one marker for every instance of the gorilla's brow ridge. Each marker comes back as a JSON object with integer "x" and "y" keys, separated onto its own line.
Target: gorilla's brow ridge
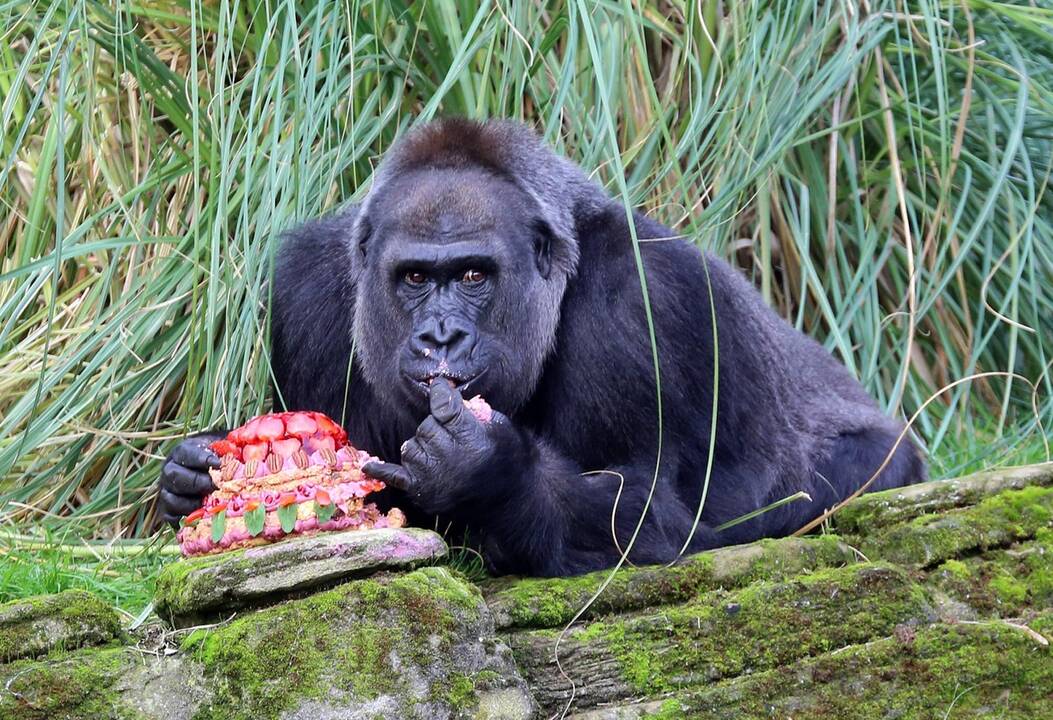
{"x": 443, "y": 258}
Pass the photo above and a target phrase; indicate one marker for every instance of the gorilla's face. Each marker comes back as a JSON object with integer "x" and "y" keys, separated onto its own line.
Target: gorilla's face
{"x": 455, "y": 282}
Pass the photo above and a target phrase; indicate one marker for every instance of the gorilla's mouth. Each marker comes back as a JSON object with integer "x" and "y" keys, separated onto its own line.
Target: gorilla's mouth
{"x": 463, "y": 382}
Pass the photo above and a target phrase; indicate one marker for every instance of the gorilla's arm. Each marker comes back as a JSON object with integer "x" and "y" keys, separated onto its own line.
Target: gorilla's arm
{"x": 558, "y": 521}
{"x": 530, "y": 505}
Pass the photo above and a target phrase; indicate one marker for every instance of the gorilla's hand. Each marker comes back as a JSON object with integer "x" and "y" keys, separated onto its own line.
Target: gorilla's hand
{"x": 449, "y": 465}
{"x": 184, "y": 477}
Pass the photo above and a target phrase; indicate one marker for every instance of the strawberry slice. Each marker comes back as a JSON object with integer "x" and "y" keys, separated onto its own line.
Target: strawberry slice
{"x": 250, "y": 430}
{"x": 194, "y": 516}
{"x": 255, "y": 451}
{"x": 270, "y": 427}
{"x": 300, "y": 424}
{"x": 225, "y": 447}
{"x": 328, "y": 427}
{"x": 285, "y": 448}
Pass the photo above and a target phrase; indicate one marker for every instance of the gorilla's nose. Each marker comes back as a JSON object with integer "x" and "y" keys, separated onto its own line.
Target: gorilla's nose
{"x": 449, "y": 334}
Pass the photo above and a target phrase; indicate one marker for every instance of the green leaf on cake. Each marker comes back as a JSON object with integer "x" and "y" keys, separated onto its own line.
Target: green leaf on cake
{"x": 324, "y": 512}
{"x": 219, "y": 525}
{"x": 254, "y": 520}
{"x": 287, "y": 517}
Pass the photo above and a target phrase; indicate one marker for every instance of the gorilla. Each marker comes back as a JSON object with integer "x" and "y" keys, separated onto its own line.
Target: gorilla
{"x": 481, "y": 262}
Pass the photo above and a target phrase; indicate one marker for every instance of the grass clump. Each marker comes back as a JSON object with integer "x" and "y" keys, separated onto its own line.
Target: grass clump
{"x": 121, "y": 573}
{"x": 882, "y": 176}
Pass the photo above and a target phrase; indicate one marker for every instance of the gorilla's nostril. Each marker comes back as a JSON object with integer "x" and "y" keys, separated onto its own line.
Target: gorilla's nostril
{"x": 446, "y": 333}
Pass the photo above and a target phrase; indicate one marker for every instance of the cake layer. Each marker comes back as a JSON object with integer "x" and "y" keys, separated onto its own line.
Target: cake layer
{"x": 198, "y": 538}
{"x": 255, "y": 510}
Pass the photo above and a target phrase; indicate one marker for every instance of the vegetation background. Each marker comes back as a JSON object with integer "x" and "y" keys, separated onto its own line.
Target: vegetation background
{"x": 879, "y": 168}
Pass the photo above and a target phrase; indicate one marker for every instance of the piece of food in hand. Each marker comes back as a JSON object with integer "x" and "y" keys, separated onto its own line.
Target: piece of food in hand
{"x": 480, "y": 408}
{"x": 284, "y": 474}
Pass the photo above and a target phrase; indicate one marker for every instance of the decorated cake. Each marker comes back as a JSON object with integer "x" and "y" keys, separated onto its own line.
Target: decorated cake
{"x": 282, "y": 474}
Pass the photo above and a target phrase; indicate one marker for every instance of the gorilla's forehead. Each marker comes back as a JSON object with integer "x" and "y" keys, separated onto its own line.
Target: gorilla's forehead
{"x": 443, "y": 205}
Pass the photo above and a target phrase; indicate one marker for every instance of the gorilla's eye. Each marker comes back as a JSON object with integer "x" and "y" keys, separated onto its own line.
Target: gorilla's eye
{"x": 415, "y": 277}
{"x": 473, "y": 277}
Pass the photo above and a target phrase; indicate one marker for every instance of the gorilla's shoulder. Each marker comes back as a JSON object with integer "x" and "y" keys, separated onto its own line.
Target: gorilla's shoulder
{"x": 311, "y": 308}
{"x": 314, "y": 246}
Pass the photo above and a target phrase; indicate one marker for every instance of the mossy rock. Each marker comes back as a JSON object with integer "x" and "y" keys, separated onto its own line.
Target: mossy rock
{"x": 981, "y": 670}
{"x": 112, "y": 683}
{"x": 71, "y": 619}
{"x": 997, "y": 521}
{"x": 869, "y": 512}
{"x": 414, "y": 645}
{"x": 719, "y": 634}
{"x": 1004, "y": 582}
{"x": 201, "y": 589}
{"x": 552, "y": 602}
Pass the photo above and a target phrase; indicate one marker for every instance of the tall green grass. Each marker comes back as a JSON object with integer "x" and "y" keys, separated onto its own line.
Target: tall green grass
{"x": 880, "y": 170}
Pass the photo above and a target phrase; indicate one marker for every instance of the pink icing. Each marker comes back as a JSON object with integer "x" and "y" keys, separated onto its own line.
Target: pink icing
{"x": 274, "y": 532}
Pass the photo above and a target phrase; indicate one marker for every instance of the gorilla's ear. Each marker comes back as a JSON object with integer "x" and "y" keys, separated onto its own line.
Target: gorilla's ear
{"x": 361, "y": 233}
{"x": 553, "y": 252}
{"x": 543, "y": 247}
{"x": 555, "y": 237}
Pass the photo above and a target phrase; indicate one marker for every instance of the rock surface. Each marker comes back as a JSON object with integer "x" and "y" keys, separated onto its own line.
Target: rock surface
{"x": 419, "y": 644}
{"x": 200, "y": 589}
{"x": 413, "y": 645}
{"x": 934, "y": 601}
{"x": 63, "y": 621}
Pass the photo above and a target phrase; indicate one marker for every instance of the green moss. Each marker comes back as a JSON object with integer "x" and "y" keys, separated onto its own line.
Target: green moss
{"x": 957, "y": 568}
{"x": 1039, "y": 567}
{"x": 1043, "y": 625}
{"x": 997, "y": 521}
{"x": 174, "y": 593}
{"x": 63, "y": 621}
{"x": 549, "y": 603}
{"x": 460, "y": 693}
{"x": 1004, "y": 581}
{"x": 670, "y": 709}
{"x": 74, "y": 686}
{"x": 1009, "y": 589}
{"x": 727, "y": 633}
{"x": 985, "y": 670}
{"x": 358, "y": 641}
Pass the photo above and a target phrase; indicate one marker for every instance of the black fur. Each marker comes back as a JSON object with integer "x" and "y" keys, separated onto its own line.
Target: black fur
{"x": 789, "y": 417}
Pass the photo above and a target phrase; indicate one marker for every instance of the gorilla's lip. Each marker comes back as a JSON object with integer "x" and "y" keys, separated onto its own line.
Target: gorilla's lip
{"x": 459, "y": 380}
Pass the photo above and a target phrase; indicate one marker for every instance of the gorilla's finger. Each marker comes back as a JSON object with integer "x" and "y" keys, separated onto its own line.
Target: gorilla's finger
{"x": 430, "y": 430}
{"x": 445, "y": 400}
{"x": 195, "y": 453}
{"x": 394, "y": 475}
{"x": 184, "y": 481}
{"x": 171, "y": 519}
{"x": 179, "y": 505}
{"x": 414, "y": 454}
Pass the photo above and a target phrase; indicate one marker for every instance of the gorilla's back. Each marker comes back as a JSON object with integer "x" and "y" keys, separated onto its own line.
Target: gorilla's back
{"x": 780, "y": 394}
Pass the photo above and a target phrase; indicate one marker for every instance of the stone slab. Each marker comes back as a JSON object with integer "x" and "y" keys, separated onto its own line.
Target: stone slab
{"x": 196, "y": 588}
